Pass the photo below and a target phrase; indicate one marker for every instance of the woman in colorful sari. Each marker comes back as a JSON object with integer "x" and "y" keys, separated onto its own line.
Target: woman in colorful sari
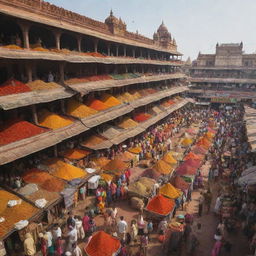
{"x": 86, "y": 220}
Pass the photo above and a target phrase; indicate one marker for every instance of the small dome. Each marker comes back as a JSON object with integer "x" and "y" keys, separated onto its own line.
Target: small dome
{"x": 162, "y": 28}
{"x": 111, "y": 19}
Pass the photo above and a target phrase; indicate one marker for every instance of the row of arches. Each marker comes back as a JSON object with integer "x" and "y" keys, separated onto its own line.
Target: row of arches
{"x": 33, "y": 35}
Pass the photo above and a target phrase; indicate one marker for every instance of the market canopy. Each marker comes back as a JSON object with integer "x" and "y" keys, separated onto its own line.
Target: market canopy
{"x": 162, "y": 167}
{"x": 168, "y": 158}
{"x": 160, "y": 205}
{"x": 170, "y": 191}
{"x": 101, "y": 244}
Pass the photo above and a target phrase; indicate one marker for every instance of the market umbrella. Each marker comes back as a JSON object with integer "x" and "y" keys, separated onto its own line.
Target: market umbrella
{"x": 169, "y": 191}
{"x": 101, "y": 244}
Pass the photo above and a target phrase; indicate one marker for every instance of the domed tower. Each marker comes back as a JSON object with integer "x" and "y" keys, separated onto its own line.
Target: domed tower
{"x": 163, "y": 37}
{"x": 115, "y": 25}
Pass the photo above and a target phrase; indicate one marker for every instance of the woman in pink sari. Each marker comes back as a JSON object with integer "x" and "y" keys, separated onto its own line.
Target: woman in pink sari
{"x": 86, "y": 225}
{"x": 216, "y": 248}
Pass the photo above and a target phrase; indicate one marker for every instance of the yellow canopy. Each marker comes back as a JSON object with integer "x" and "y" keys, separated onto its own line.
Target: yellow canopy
{"x": 170, "y": 191}
{"x": 162, "y": 167}
{"x": 168, "y": 158}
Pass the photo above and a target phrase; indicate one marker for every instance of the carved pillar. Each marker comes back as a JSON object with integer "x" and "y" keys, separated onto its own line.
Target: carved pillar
{"x": 117, "y": 50}
{"x": 95, "y": 42}
{"x": 79, "y": 40}
{"x": 25, "y": 33}
{"x": 126, "y": 68}
{"x": 133, "y": 53}
{"x": 124, "y": 51}
{"x": 108, "y": 46}
{"x": 35, "y": 118}
{"x": 57, "y": 39}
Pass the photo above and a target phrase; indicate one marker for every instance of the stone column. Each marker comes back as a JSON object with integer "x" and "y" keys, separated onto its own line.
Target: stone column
{"x": 35, "y": 118}
{"x": 149, "y": 54}
{"x": 79, "y": 40}
{"x": 95, "y": 42}
{"x": 29, "y": 72}
{"x": 57, "y": 39}
{"x": 25, "y": 33}
{"x": 108, "y": 46}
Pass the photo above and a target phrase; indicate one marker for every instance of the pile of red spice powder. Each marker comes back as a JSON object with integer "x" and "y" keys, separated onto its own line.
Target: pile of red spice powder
{"x": 141, "y": 117}
{"x": 13, "y": 86}
{"x": 18, "y": 130}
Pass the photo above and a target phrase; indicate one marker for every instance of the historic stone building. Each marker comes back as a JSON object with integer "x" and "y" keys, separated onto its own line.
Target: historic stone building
{"x": 227, "y": 75}
{"x": 68, "y": 82}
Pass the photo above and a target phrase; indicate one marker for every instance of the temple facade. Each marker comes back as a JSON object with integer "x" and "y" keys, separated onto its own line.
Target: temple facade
{"x": 229, "y": 75}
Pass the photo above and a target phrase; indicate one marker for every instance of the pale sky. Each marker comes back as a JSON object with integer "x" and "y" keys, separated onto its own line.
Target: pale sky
{"x": 197, "y": 25}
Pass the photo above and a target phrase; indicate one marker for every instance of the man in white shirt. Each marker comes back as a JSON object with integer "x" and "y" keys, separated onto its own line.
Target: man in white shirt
{"x": 56, "y": 232}
{"x": 122, "y": 228}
